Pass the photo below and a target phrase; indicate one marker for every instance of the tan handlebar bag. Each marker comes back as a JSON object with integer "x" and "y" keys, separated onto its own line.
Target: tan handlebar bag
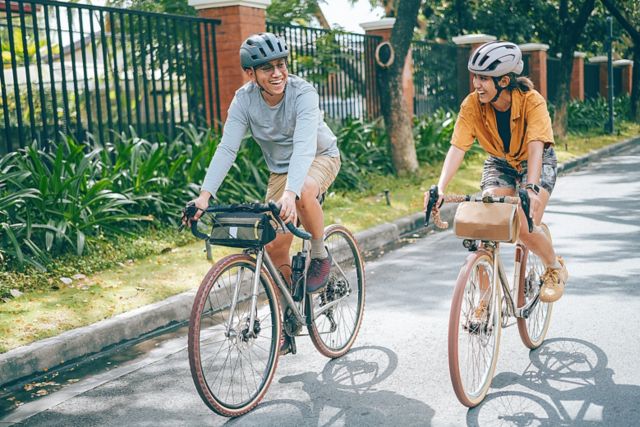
{"x": 499, "y": 222}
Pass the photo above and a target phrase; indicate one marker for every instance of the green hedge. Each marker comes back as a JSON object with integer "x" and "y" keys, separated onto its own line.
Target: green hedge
{"x": 59, "y": 201}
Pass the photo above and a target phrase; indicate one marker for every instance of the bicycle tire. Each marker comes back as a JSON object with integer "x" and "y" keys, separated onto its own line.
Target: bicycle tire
{"x": 533, "y": 329}
{"x": 209, "y": 321}
{"x": 334, "y": 331}
{"x": 462, "y": 329}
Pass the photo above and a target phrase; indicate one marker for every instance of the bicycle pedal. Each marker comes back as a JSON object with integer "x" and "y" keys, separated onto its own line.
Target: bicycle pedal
{"x": 289, "y": 346}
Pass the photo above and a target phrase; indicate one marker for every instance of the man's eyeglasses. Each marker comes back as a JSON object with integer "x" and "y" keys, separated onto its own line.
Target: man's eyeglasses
{"x": 268, "y": 67}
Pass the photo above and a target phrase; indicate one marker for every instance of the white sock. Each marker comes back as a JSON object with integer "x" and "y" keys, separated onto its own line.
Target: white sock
{"x": 318, "y": 251}
{"x": 556, "y": 265}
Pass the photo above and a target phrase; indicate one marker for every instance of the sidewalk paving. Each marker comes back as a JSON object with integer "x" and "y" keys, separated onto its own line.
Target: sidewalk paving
{"x": 71, "y": 346}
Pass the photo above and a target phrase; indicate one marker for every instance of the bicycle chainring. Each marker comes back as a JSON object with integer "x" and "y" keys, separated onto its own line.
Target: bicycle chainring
{"x": 291, "y": 325}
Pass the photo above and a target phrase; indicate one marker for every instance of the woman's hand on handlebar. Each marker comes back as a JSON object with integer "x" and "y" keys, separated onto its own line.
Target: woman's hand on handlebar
{"x": 437, "y": 205}
{"x": 535, "y": 206}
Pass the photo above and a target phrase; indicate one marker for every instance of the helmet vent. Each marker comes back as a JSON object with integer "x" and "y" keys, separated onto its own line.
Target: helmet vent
{"x": 269, "y": 44}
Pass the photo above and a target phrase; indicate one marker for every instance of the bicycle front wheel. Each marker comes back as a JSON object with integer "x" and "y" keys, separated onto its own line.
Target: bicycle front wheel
{"x": 474, "y": 329}
{"x": 534, "y": 328}
{"x": 335, "y": 314}
{"x": 232, "y": 361}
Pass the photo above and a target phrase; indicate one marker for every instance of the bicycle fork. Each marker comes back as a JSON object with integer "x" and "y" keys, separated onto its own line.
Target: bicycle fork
{"x": 251, "y": 327}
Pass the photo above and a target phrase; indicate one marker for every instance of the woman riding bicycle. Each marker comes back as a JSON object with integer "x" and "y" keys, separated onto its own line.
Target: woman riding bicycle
{"x": 511, "y": 123}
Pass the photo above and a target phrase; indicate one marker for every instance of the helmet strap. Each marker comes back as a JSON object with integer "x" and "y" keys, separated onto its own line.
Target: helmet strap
{"x": 259, "y": 85}
{"x": 255, "y": 73}
{"x": 498, "y": 88}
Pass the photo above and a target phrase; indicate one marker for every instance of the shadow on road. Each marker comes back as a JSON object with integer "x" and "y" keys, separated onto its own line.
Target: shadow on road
{"x": 344, "y": 393}
{"x": 569, "y": 384}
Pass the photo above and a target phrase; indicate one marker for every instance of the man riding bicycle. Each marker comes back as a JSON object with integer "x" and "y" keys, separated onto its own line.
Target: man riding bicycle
{"x": 282, "y": 113}
{"x": 511, "y": 123}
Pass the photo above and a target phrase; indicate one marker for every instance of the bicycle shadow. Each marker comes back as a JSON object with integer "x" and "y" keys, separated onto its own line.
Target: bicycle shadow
{"x": 344, "y": 393}
{"x": 572, "y": 386}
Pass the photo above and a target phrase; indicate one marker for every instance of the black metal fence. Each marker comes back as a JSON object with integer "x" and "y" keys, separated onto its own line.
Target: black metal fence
{"x": 526, "y": 71}
{"x": 617, "y": 81}
{"x": 434, "y": 77}
{"x": 76, "y": 69}
{"x": 591, "y": 80}
{"x": 339, "y": 64}
{"x": 553, "y": 78}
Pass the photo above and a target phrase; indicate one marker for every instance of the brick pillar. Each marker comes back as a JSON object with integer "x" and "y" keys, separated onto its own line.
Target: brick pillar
{"x": 577, "y": 76}
{"x": 537, "y": 56}
{"x": 627, "y": 73}
{"x": 382, "y": 28}
{"x": 467, "y": 44}
{"x": 603, "y": 72}
{"x": 240, "y": 19}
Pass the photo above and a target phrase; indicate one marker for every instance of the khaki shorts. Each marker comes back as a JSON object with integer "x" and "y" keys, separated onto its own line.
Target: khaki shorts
{"x": 323, "y": 170}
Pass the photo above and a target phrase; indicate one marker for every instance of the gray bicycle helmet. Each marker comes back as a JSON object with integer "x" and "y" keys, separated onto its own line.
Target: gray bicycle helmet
{"x": 495, "y": 59}
{"x": 261, "y": 48}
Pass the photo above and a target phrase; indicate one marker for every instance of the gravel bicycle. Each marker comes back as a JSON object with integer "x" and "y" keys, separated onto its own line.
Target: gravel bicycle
{"x": 244, "y": 305}
{"x": 484, "y": 302}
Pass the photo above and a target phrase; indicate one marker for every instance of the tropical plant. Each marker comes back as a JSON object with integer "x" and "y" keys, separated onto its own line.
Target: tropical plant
{"x": 364, "y": 150}
{"x": 62, "y": 201}
{"x": 593, "y": 113}
{"x": 433, "y": 135}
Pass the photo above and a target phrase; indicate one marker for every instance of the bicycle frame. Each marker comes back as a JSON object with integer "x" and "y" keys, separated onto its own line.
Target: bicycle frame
{"x": 500, "y": 276}
{"x": 264, "y": 260}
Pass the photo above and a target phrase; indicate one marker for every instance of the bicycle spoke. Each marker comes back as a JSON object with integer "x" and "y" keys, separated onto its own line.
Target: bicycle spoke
{"x": 477, "y": 331}
{"x": 337, "y": 311}
{"x": 236, "y": 358}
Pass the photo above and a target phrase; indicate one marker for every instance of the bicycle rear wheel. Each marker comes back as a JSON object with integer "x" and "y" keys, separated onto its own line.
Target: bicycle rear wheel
{"x": 534, "y": 328}
{"x": 334, "y": 315}
{"x": 474, "y": 340}
{"x": 233, "y": 363}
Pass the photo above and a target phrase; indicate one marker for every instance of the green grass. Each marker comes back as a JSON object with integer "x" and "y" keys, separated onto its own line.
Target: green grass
{"x": 130, "y": 273}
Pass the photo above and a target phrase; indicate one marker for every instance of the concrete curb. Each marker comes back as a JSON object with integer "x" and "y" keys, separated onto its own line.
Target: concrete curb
{"x": 597, "y": 154}
{"x": 49, "y": 353}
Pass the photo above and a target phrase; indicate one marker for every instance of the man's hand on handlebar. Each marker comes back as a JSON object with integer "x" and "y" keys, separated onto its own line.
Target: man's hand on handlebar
{"x": 288, "y": 211}
{"x": 201, "y": 203}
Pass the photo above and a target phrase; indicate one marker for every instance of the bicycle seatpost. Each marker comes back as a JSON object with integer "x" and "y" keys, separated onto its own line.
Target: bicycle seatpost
{"x": 433, "y": 198}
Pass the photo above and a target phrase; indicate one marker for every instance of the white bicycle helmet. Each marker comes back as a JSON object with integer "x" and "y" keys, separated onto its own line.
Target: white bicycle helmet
{"x": 495, "y": 59}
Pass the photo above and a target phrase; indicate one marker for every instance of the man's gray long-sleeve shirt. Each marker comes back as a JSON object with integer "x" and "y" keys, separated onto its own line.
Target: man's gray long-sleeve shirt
{"x": 290, "y": 134}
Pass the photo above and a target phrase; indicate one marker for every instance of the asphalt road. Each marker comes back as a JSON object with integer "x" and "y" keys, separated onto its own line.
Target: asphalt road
{"x": 586, "y": 373}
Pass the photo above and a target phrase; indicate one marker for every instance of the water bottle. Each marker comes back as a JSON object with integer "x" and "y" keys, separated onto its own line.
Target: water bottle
{"x": 297, "y": 272}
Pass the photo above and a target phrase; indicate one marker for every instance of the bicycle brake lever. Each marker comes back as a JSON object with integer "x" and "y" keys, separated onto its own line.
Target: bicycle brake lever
{"x": 433, "y": 198}
{"x": 526, "y": 206}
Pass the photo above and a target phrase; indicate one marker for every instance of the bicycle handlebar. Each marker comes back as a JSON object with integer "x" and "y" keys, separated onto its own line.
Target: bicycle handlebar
{"x": 522, "y": 198}
{"x": 190, "y": 210}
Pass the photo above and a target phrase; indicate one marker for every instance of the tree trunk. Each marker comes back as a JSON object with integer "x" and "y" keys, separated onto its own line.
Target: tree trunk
{"x": 563, "y": 93}
{"x": 567, "y": 42}
{"x": 398, "y": 122}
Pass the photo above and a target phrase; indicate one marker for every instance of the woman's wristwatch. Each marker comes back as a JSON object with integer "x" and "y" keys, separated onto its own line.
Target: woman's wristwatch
{"x": 533, "y": 187}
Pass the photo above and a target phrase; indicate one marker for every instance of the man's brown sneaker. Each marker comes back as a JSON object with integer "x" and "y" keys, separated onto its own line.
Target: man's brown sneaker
{"x": 318, "y": 274}
{"x": 553, "y": 281}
